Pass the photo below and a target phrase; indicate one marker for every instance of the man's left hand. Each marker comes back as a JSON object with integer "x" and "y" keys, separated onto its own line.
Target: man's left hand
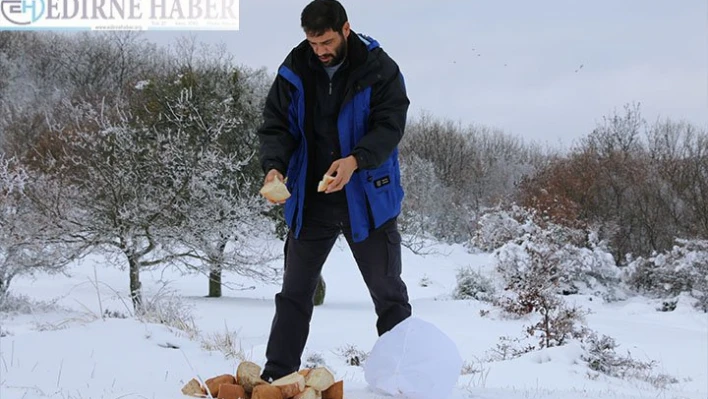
{"x": 344, "y": 168}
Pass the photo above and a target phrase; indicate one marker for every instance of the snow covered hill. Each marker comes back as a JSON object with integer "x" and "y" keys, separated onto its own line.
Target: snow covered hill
{"x": 61, "y": 347}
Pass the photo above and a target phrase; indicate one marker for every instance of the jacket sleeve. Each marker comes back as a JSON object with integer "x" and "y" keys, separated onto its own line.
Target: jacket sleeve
{"x": 387, "y": 121}
{"x": 276, "y": 142}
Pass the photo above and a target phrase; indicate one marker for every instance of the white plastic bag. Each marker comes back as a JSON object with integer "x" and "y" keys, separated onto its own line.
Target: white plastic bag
{"x": 414, "y": 360}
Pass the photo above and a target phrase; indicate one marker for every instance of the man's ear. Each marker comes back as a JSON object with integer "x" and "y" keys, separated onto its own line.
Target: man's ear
{"x": 346, "y": 29}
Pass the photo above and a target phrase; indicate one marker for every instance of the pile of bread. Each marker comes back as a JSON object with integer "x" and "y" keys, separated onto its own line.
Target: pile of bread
{"x": 276, "y": 191}
{"x": 315, "y": 383}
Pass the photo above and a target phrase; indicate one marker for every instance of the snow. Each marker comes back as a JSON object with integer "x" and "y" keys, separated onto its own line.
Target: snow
{"x": 142, "y": 84}
{"x": 64, "y": 349}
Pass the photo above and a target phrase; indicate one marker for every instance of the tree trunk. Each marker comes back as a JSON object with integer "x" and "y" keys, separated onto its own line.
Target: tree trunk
{"x": 215, "y": 270}
{"x": 135, "y": 285}
{"x": 215, "y": 281}
{"x": 320, "y": 291}
{"x": 3, "y": 290}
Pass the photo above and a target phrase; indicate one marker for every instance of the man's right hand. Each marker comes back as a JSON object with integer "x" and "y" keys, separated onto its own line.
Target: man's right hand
{"x": 272, "y": 175}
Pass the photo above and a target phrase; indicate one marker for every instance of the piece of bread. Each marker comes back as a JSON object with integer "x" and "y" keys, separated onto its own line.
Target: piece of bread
{"x": 266, "y": 392}
{"x": 336, "y": 391}
{"x": 248, "y": 375}
{"x": 194, "y": 388}
{"x": 231, "y": 391}
{"x": 304, "y": 372}
{"x": 326, "y": 180}
{"x": 214, "y": 382}
{"x": 275, "y": 190}
{"x": 309, "y": 393}
{"x": 319, "y": 378}
{"x": 290, "y": 385}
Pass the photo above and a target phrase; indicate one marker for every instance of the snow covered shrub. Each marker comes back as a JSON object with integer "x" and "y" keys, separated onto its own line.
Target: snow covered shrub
{"x": 508, "y": 348}
{"x": 559, "y": 323}
{"x": 540, "y": 268}
{"x": 352, "y": 355}
{"x": 114, "y": 314}
{"x": 589, "y": 269}
{"x": 425, "y": 281}
{"x": 531, "y": 274}
{"x": 169, "y": 308}
{"x": 601, "y": 357}
{"x": 668, "y": 306}
{"x": 683, "y": 269}
{"x": 559, "y": 260}
{"x": 498, "y": 226}
{"x": 22, "y": 304}
{"x": 313, "y": 360}
{"x": 227, "y": 343}
{"x": 472, "y": 284}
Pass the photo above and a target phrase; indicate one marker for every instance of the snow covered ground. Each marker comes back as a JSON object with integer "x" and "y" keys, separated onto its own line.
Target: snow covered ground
{"x": 64, "y": 349}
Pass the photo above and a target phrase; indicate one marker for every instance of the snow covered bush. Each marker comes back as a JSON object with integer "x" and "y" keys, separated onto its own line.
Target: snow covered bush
{"x": 497, "y": 226}
{"x": 533, "y": 276}
{"x": 352, "y": 355}
{"x": 544, "y": 256}
{"x": 545, "y": 264}
{"x": 601, "y": 357}
{"x": 559, "y": 323}
{"x": 425, "y": 281}
{"x": 17, "y": 304}
{"x": 228, "y": 343}
{"x": 589, "y": 269}
{"x": 314, "y": 360}
{"x": 168, "y": 307}
{"x": 508, "y": 348}
{"x": 472, "y": 284}
{"x": 683, "y": 269}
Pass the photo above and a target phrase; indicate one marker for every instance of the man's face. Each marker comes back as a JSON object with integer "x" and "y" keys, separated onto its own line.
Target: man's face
{"x": 330, "y": 47}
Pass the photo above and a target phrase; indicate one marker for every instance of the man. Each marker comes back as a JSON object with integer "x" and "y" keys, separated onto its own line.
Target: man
{"x": 337, "y": 107}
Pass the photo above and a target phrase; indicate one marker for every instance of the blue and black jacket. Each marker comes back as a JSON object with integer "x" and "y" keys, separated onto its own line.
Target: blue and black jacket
{"x": 370, "y": 125}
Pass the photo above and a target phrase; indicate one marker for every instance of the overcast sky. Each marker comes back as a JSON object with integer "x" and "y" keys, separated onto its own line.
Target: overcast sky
{"x": 514, "y": 65}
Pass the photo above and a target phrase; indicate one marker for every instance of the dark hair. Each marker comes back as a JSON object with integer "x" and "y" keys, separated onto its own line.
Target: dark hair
{"x": 321, "y": 15}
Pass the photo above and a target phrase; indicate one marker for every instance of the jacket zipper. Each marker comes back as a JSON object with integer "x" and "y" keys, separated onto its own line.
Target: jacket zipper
{"x": 330, "y": 87}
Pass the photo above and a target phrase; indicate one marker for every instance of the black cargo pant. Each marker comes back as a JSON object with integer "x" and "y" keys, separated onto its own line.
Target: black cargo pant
{"x": 378, "y": 259}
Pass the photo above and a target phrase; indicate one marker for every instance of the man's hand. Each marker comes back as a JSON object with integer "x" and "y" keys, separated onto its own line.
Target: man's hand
{"x": 272, "y": 175}
{"x": 344, "y": 169}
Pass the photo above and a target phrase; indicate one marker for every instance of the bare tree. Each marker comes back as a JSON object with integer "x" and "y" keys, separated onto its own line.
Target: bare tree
{"x": 644, "y": 185}
{"x": 39, "y": 69}
{"x": 472, "y": 168}
{"x": 225, "y": 210}
{"x": 31, "y": 240}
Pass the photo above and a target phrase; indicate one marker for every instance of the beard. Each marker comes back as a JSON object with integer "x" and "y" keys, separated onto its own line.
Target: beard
{"x": 339, "y": 53}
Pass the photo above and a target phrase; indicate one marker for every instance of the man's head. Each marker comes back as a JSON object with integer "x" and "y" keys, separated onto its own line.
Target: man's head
{"x": 327, "y": 29}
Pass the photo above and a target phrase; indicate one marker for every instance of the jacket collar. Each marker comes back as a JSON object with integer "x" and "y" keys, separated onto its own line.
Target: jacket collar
{"x": 357, "y": 53}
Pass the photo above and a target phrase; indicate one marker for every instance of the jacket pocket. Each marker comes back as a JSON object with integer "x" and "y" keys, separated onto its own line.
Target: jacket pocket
{"x": 380, "y": 186}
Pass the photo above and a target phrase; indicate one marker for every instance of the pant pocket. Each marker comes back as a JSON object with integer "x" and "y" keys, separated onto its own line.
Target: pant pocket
{"x": 393, "y": 243}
